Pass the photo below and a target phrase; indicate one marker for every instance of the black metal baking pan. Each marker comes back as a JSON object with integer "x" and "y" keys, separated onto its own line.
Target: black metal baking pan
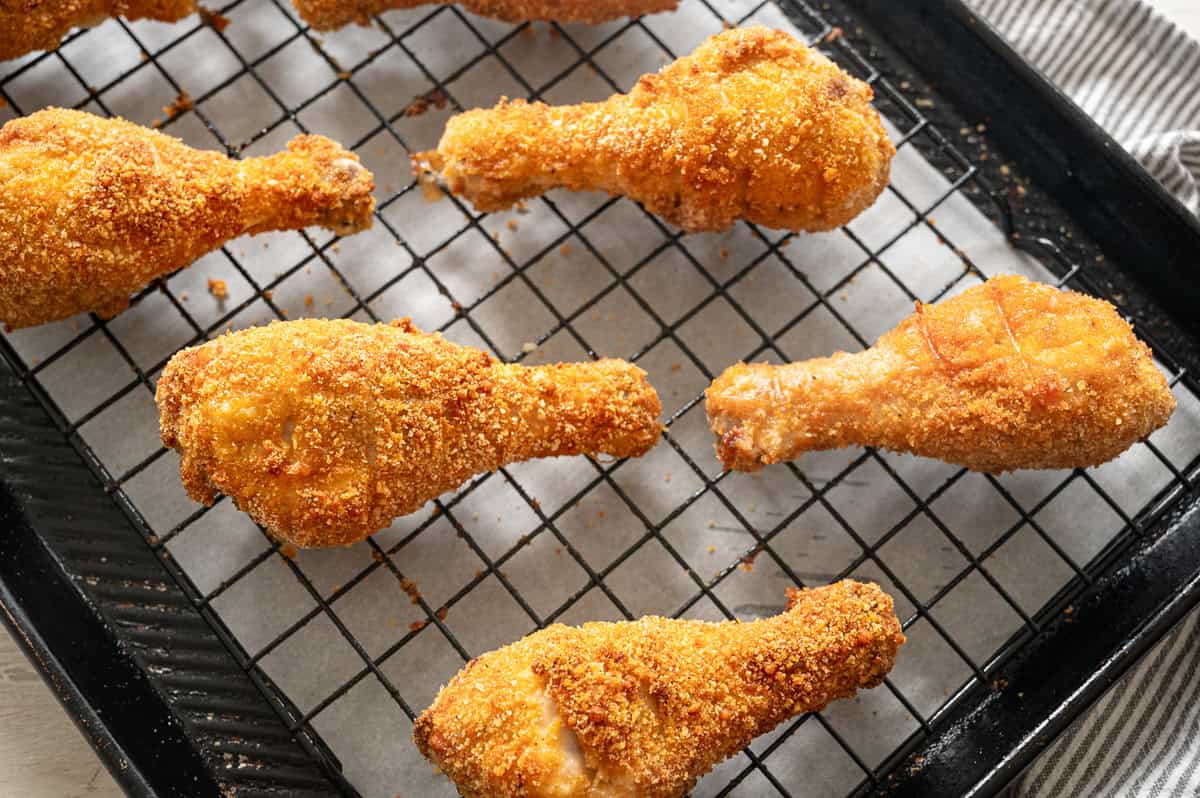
{"x": 175, "y": 707}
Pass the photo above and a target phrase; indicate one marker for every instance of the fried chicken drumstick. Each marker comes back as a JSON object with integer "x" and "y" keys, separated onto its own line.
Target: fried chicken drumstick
{"x": 751, "y": 125}
{"x": 331, "y": 14}
{"x": 324, "y": 431}
{"x": 644, "y": 708}
{"x": 27, "y": 25}
{"x": 92, "y": 209}
{"x": 1010, "y": 374}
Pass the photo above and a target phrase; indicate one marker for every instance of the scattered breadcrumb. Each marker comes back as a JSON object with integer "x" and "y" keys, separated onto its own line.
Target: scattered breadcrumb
{"x": 924, "y": 102}
{"x": 723, "y": 253}
{"x": 183, "y": 296}
{"x": 423, "y": 102}
{"x": 3, "y": 103}
{"x": 565, "y": 249}
{"x": 441, "y": 614}
{"x": 288, "y": 550}
{"x": 511, "y": 224}
{"x": 712, "y": 549}
{"x": 219, "y": 288}
{"x": 416, "y": 626}
{"x": 344, "y": 75}
{"x": 834, "y": 34}
{"x": 410, "y": 587}
{"x": 213, "y": 19}
{"x": 528, "y": 346}
{"x": 308, "y": 300}
{"x": 182, "y": 104}
{"x": 676, "y": 366}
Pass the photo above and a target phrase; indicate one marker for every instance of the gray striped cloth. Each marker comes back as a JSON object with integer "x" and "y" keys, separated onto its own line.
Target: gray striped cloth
{"x": 1139, "y": 77}
{"x": 1128, "y": 66}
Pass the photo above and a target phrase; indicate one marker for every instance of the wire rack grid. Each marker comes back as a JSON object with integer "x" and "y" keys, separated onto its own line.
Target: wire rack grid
{"x": 350, "y": 645}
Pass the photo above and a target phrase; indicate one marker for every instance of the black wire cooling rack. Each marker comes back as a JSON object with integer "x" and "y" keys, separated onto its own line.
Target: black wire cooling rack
{"x": 78, "y": 367}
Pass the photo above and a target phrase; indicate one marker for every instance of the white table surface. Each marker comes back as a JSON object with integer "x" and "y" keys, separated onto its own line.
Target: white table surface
{"x": 43, "y": 755}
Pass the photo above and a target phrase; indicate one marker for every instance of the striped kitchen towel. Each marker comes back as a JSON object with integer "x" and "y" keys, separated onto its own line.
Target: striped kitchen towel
{"x": 1129, "y": 67}
{"x": 1139, "y": 77}
{"x": 1141, "y": 740}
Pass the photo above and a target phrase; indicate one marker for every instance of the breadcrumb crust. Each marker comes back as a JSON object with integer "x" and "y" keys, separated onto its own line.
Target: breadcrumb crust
{"x": 1009, "y": 374}
{"x": 27, "y": 25}
{"x": 332, "y": 14}
{"x": 324, "y": 431}
{"x": 751, "y": 125}
{"x": 92, "y": 209}
{"x": 644, "y": 708}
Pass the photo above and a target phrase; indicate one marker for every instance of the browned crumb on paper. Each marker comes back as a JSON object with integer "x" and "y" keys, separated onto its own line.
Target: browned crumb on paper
{"x": 182, "y": 104}
{"x": 218, "y": 288}
{"x": 423, "y": 102}
{"x": 214, "y": 19}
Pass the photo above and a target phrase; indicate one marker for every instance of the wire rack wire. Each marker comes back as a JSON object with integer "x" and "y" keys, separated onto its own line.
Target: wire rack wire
{"x": 708, "y": 516}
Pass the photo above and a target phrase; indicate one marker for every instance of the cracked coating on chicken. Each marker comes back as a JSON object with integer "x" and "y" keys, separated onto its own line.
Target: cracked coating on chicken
{"x": 93, "y": 209}
{"x": 751, "y": 125}
{"x": 325, "y": 431}
{"x": 644, "y": 708}
{"x": 1009, "y": 374}
{"x": 331, "y": 14}
{"x": 27, "y": 25}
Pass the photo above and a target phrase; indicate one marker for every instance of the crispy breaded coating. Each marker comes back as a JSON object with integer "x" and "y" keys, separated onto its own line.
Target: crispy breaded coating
{"x": 1009, "y": 374}
{"x": 324, "y": 431}
{"x": 644, "y": 708}
{"x": 27, "y": 25}
{"x": 751, "y": 125}
{"x": 331, "y": 14}
{"x": 92, "y": 209}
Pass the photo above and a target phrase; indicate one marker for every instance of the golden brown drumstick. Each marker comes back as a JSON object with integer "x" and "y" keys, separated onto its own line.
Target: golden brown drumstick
{"x": 643, "y": 709}
{"x": 324, "y": 431}
{"x": 331, "y": 14}
{"x": 751, "y": 125}
{"x": 1010, "y": 374}
{"x": 92, "y": 209}
{"x": 27, "y": 25}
